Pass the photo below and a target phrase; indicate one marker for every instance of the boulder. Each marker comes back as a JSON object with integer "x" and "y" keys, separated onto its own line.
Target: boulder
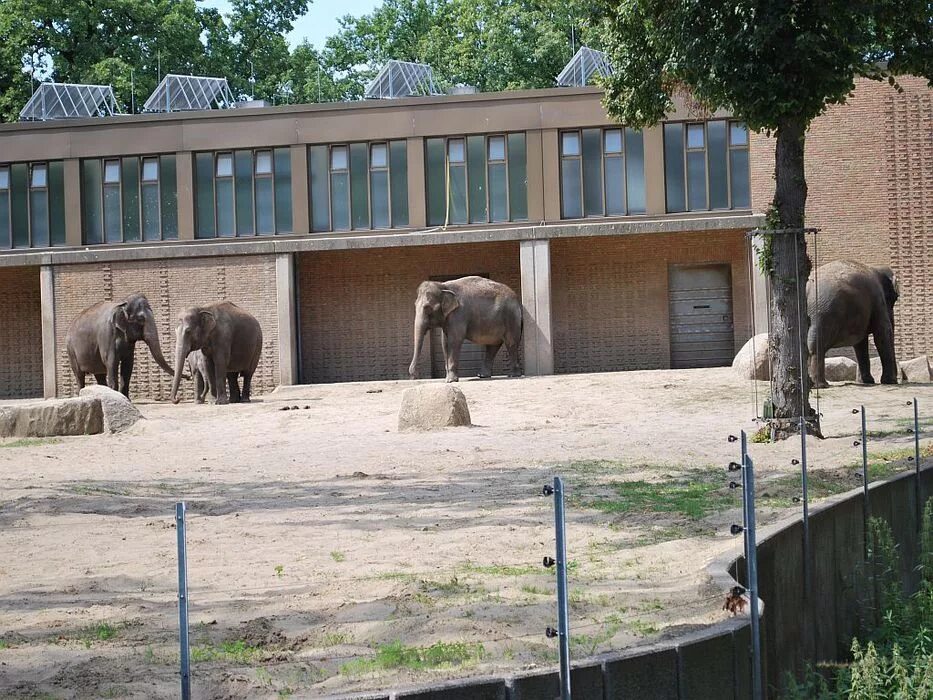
{"x": 916, "y": 370}
{"x": 119, "y": 412}
{"x": 79, "y": 416}
{"x": 433, "y": 406}
{"x": 751, "y": 362}
{"x": 841, "y": 369}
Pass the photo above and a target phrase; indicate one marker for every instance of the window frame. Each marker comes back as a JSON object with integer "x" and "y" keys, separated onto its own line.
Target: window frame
{"x": 370, "y": 169}
{"x": 348, "y": 171}
{"x": 143, "y": 182}
{"x": 265, "y": 176}
{"x": 705, "y": 150}
{"x": 465, "y": 164}
{"x": 622, "y": 155}
{"x": 103, "y": 198}
{"x": 7, "y": 191}
{"x": 489, "y": 161}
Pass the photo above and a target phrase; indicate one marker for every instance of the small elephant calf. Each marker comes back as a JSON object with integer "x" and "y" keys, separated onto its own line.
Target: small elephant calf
{"x": 203, "y": 382}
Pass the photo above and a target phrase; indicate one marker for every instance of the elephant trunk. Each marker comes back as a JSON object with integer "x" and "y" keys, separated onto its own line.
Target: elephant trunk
{"x": 151, "y": 337}
{"x": 181, "y": 356}
{"x": 421, "y": 328}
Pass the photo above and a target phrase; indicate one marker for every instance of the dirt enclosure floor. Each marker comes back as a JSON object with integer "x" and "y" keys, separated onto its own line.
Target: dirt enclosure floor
{"x": 329, "y": 553}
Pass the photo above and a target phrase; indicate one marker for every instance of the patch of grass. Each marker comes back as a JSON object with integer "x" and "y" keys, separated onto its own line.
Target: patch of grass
{"x": 279, "y": 570}
{"x": 821, "y": 483}
{"x": 642, "y": 628}
{"x": 237, "y": 651}
{"x": 338, "y": 556}
{"x": 396, "y": 576}
{"x": 499, "y": 570}
{"x": 453, "y": 586}
{"x": 4, "y": 644}
{"x": 534, "y": 590}
{"x": 657, "y": 535}
{"x": 762, "y": 435}
{"x": 587, "y": 644}
{"x": 30, "y": 442}
{"x": 694, "y": 494}
{"x": 92, "y": 490}
{"x": 397, "y": 655}
{"x": 333, "y": 639}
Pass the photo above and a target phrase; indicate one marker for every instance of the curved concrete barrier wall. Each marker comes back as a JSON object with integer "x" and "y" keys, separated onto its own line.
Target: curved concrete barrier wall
{"x": 715, "y": 663}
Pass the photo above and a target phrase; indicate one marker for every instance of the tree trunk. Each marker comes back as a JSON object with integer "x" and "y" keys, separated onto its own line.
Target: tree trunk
{"x": 790, "y": 268}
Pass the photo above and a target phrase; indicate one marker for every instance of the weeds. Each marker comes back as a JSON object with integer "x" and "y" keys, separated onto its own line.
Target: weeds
{"x": 694, "y": 494}
{"x": 30, "y": 442}
{"x": 279, "y": 570}
{"x": 397, "y": 655}
{"x": 237, "y": 651}
{"x": 499, "y": 570}
{"x": 338, "y": 556}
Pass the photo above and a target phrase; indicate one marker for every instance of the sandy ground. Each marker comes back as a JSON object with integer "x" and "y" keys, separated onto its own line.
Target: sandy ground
{"x": 319, "y": 535}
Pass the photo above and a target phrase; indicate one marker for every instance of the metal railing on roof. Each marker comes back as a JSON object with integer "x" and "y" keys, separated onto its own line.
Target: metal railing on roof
{"x": 69, "y": 101}
{"x": 402, "y": 79}
{"x": 187, "y": 93}
{"x": 582, "y": 66}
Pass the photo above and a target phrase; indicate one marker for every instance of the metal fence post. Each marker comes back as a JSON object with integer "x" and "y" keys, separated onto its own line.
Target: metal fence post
{"x": 748, "y": 484}
{"x": 563, "y": 613}
{"x": 183, "y": 602}
{"x": 807, "y": 562}
{"x": 917, "y": 463}
{"x": 865, "y": 505}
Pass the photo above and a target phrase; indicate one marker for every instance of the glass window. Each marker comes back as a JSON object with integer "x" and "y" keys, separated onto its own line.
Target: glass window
{"x": 398, "y": 174}
{"x": 112, "y": 172}
{"x": 4, "y": 178}
{"x": 695, "y": 136}
{"x": 674, "y": 168}
{"x": 224, "y": 165}
{"x": 378, "y": 158}
{"x": 455, "y": 151}
{"x": 634, "y": 172}
{"x": 592, "y": 173}
{"x": 718, "y": 172}
{"x": 338, "y": 158}
{"x": 570, "y": 143}
{"x": 263, "y": 162}
{"x": 518, "y": 176}
{"x": 265, "y": 211}
{"x": 496, "y": 148}
{"x": 150, "y": 169}
{"x": 612, "y": 139}
{"x": 477, "y": 147}
{"x": 39, "y": 176}
{"x": 738, "y": 134}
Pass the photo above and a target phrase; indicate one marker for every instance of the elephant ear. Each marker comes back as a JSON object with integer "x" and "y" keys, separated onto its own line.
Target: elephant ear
{"x": 208, "y": 321}
{"x": 449, "y": 301}
{"x": 119, "y": 318}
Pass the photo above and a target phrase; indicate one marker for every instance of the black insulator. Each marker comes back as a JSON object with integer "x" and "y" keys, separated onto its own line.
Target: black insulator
{"x": 548, "y": 562}
{"x": 736, "y": 529}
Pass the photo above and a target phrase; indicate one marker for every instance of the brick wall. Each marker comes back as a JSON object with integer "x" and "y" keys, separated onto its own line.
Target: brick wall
{"x": 609, "y": 296}
{"x": 870, "y": 176}
{"x": 20, "y": 333}
{"x": 171, "y": 286}
{"x": 357, "y": 306}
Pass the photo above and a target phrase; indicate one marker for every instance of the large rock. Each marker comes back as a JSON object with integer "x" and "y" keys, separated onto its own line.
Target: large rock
{"x": 119, "y": 412}
{"x": 433, "y": 406}
{"x": 916, "y": 370}
{"x": 841, "y": 369}
{"x": 79, "y": 416}
{"x": 751, "y": 362}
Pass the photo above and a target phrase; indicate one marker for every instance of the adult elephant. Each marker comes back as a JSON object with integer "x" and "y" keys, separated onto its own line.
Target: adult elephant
{"x": 230, "y": 340}
{"x": 854, "y": 301}
{"x": 102, "y": 341}
{"x": 470, "y": 308}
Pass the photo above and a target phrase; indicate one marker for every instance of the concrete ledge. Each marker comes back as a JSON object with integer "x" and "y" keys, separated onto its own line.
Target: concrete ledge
{"x": 301, "y": 243}
{"x": 458, "y": 690}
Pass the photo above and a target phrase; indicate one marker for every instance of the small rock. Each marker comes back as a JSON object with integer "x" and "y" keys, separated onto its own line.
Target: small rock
{"x": 751, "y": 362}
{"x": 841, "y": 369}
{"x": 433, "y": 406}
{"x": 119, "y": 411}
{"x": 916, "y": 370}
{"x": 78, "y": 416}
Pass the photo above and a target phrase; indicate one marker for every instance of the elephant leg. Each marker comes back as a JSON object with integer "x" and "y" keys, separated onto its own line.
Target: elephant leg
{"x": 113, "y": 370}
{"x": 488, "y": 360}
{"x": 199, "y": 387}
{"x": 217, "y": 366}
{"x": 126, "y": 371}
{"x": 247, "y": 386}
{"x": 233, "y": 381}
{"x": 514, "y": 368}
{"x": 101, "y": 379}
{"x": 864, "y": 364}
{"x": 452, "y": 344}
{"x": 884, "y": 342}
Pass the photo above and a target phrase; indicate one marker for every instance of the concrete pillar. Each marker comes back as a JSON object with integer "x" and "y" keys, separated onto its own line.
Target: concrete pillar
{"x": 288, "y": 327}
{"x": 47, "y": 302}
{"x": 550, "y": 175}
{"x": 184, "y": 174}
{"x": 759, "y": 290}
{"x": 535, "y": 174}
{"x": 655, "y": 202}
{"x": 301, "y": 216}
{"x": 72, "y": 175}
{"x": 417, "y": 197}
{"x": 535, "y": 262}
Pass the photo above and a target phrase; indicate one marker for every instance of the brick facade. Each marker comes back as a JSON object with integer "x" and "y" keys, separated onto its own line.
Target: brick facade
{"x": 171, "y": 286}
{"x": 609, "y": 296}
{"x": 870, "y": 176}
{"x": 21, "y": 336}
{"x": 357, "y": 306}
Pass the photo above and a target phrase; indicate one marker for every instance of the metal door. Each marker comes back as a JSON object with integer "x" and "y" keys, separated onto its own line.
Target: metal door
{"x": 701, "y": 316}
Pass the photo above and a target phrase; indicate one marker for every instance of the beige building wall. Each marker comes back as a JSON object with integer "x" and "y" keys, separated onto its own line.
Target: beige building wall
{"x": 610, "y": 296}
{"x": 171, "y": 286}
{"x": 869, "y": 170}
{"x": 357, "y": 307}
{"x": 20, "y": 333}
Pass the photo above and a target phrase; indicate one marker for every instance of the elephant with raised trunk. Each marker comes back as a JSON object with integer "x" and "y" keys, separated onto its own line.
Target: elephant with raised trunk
{"x": 230, "y": 340}
{"x": 470, "y": 308}
{"x": 854, "y": 301}
{"x": 102, "y": 341}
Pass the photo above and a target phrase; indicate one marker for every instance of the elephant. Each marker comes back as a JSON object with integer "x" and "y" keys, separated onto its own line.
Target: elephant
{"x": 230, "y": 340}
{"x": 203, "y": 381}
{"x": 470, "y": 308}
{"x": 854, "y": 301}
{"x": 102, "y": 340}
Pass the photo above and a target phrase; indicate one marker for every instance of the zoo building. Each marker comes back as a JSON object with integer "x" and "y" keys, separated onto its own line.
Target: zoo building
{"x": 628, "y": 249}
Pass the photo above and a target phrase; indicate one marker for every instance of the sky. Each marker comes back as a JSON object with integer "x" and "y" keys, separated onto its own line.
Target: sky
{"x": 321, "y": 20}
